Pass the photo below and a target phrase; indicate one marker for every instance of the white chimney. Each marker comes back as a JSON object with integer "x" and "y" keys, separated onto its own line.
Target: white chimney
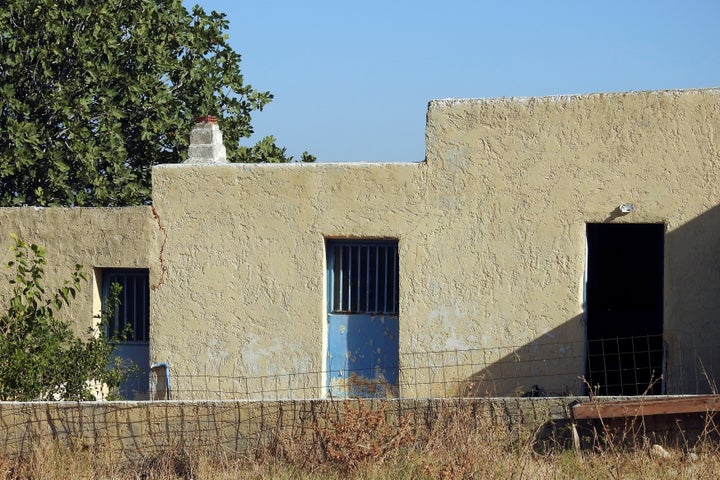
{"x": 206, "y": 145}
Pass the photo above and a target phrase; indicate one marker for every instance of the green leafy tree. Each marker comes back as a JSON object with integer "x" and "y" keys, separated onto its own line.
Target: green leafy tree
{"x": 267, "y": 151}
{"x": 94, "y": 93}
{"x": 40, "y": 356}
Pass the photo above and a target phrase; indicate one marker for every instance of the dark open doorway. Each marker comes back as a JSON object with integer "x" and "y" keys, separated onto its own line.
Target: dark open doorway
{"x": 624, "y": 308}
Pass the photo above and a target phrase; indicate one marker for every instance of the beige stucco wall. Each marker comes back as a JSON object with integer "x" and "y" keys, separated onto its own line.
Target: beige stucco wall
{"x": 93, "y": 237}
{"x": 540, "y": 169}
{"x": 491, "y": 232}
{"x": 244, "y": 292}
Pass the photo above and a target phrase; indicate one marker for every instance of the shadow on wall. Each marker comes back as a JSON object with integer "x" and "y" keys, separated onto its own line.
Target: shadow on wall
{"x": 692, "y": 305}
{"x": 550, "y": 365}
{"x": 556, "y": 363}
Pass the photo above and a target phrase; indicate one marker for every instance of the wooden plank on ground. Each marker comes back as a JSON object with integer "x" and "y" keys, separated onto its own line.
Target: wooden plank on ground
{"x": 644, "y": 406}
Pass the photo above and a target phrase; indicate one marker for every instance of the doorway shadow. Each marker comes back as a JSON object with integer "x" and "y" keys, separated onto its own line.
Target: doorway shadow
{"x": 550, "y": 365}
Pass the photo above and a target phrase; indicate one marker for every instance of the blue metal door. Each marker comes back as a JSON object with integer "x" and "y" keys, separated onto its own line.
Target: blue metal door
{"x": 363, "y": 355}
{"x": 363, "y": 322}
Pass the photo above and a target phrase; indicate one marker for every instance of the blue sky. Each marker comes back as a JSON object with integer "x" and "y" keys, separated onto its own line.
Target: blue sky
{"x": 352, "y": 79}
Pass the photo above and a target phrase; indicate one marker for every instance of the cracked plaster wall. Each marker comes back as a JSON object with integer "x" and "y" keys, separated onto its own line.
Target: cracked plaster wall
{"x": 491, "y": 233}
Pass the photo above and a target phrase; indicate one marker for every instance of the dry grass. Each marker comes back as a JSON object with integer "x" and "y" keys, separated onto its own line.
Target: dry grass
{"x": 366, "y": 444}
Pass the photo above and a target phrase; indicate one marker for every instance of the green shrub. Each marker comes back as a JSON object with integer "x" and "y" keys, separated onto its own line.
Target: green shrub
{"x": 41, "y": 358}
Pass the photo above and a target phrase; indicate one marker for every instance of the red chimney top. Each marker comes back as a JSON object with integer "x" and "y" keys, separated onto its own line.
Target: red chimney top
{"x": 206, "y": 119}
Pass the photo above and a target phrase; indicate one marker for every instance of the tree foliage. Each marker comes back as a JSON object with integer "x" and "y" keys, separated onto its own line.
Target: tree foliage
{"x": 94, "y": 93}
{"x": 40, "y": 356}
{"x": 267, "y": 151}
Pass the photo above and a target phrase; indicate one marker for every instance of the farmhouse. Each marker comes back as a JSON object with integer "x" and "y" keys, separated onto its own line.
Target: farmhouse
{"x": 545, "y": 245}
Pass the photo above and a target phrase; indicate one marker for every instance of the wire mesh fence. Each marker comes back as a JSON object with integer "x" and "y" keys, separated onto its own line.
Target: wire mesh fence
{"x": 138, "y": 429}
{"x": 470, "y": 387}
{"x": 651, "y": 364}
{"x": 626, "y": 365}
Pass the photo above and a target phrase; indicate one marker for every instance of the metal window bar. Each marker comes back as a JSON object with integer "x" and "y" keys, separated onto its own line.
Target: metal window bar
{"x": 134, "y": 303}
{"x": 349, "y": 276}
{"x": 367, "y": 269}
{"x": 395, "y": 283}
{"x": 359, "y": 280}
{"x": 364, "y": 277}
{"x": 339, "y": 280}
{"x": 385, "y": 282}
{"x": 377, "y": 276}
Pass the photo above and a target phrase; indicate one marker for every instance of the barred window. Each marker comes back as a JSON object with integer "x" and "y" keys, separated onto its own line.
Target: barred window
{"x": 363, "y": 276}
{"x": 134, "y": 308}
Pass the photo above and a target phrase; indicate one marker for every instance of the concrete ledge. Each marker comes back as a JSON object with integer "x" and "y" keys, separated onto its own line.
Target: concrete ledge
{"x": 137, "y": 429}
{"x": 144, "y": 428}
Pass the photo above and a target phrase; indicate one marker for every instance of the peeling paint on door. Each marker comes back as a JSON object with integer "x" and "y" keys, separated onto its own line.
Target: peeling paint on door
{"x": 363, "y": 355}
{"x": 363, "y": 346}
